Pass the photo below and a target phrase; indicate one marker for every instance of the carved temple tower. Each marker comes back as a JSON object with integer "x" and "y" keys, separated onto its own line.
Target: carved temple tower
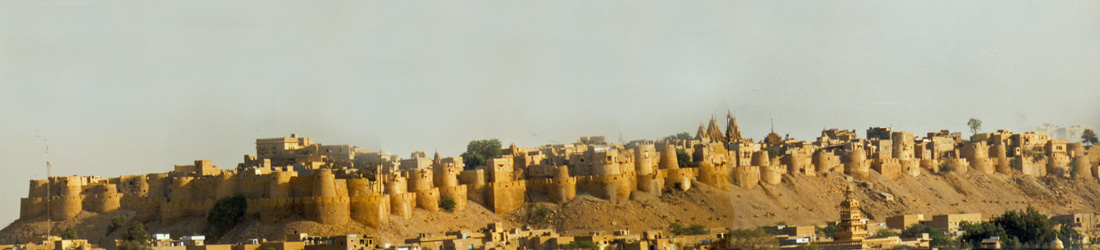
{"x": 851, "y": 226}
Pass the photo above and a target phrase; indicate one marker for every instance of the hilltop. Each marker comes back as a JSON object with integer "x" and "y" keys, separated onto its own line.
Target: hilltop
{"x": 715, "y": 179}
{"x": 800, "y": 200}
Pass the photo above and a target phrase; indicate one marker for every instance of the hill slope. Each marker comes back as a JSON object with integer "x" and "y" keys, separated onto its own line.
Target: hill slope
{"x": 798, "y": 200}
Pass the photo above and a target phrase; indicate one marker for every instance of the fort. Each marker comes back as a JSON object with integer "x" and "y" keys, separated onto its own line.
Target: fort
{"x": 337, "y": 184}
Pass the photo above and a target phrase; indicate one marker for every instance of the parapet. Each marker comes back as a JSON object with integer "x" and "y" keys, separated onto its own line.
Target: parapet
{"x": 428, "y": 199}
{"x": 456, "y": 194}
{"x": 771, "y": 175}
{"x": 889, "y": 168}
{"x": 747, "y": 177}
{"x": 401, "y": 204}
{"x": 372, "y": 210}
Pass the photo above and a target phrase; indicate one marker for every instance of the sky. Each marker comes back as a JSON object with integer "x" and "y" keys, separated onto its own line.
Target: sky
{"x": 119, "y": 88}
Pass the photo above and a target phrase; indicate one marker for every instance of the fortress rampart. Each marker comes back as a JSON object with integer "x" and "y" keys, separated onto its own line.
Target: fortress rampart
{"x": 300, "y": 181}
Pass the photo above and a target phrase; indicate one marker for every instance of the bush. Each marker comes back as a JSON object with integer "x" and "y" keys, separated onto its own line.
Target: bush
{"x": 680, "y": 136}
{"x": 447, "y": 204}
{"x": 1017, "y": 228}
{"x": 1018, "y": 163}
{"x": 694, "y": 229}
{"x": 749, "y": 239}
{"x": 579, "y": 245}
{"x": 944, "y": 168}
{"x": 69, "y": 233}
{"x": 825, "y": 231}
{"x": 885, "y": 233}
{"x": 1073, "y": 168}
{"x": 540, "y": 215}
{"x": 225, "y": 215}
{"x": 939, "y": 239}
{"x": 135, "y": 238}
{"x": 683, "y": 159}
{"x": 116, "y": 223}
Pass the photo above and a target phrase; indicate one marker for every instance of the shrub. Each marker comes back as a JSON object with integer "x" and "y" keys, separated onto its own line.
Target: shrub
{"x": 885, "y": 233}
{"x": 1018, "y": 163}
{"x": 447, "y": 204}
{"x": 939, "y": 239}
{"x": 69, "y": 233}
{"x": 694, "y": 229}
{"x": 135, "y": 238}
{"x": 680, "y": 136}
{"x": 116, "y": 223}
{"x": 748, "y": 239}
{"x": 944, "y": 168}
{"x": 1073, "y": 168}
{"x": 825, "y": 231}
{"x": 683, "y": 159}
{"x": 579, "y": 245}
{"x": 225, "y": 215}
{"x": 540, "y": 215}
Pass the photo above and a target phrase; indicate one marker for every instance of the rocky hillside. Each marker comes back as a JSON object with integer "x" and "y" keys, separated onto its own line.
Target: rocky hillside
{"x": 798, "y": 200}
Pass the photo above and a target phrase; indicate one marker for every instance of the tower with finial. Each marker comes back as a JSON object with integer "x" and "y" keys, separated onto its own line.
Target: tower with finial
{"x": 713, "y": 132}
{"x": 733, "y": 133}
{"x": 851, "y": 226}
{"x": 702, "y": 133}
{"x": 773, "y": 138}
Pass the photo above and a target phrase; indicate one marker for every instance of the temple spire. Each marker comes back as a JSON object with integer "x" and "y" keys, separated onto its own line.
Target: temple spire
{"x": 733, "y": 132}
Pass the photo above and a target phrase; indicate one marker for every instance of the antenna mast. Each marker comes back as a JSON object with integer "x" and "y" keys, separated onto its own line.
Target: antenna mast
{"x": 49, "y": 182}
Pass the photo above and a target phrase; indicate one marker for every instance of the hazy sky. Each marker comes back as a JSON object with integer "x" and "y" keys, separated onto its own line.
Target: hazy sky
{"x": 136, "y": 87}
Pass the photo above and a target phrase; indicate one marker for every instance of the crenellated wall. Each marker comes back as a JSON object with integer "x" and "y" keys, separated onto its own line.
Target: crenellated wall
{"x": 957, "y": 164}
{"x": 402, "y": 204}
{"x": 372, "y": 210}
{"x": 457, "y": 194}
{"x": 506, "y": 196}
{"x": 715, "y": 176}
{"x": 428, "y": 199}
{"x": 858, "y": 166}
{"x": 771, "y": 175}
{"x": 747, "y": 177}
{"x": 825, "y": 161}
{"x": 889, "y": 168}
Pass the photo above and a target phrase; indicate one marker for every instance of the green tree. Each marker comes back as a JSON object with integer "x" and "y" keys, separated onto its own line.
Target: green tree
{"x": 116, "y": 223}
{"x": 447, "y": 204}
{"x": 540, "y": 215}
{"x": 976, "y": 232}
{"x": 135, "y": 238}
{"x": 747, "y": 239}
{"x": 1070, "y": 237}
{"x": 226, "y": 214}
{"x": 478, "y": 152}
{"x": 694, "y": 229}
{"x": 882, "y": 233}
{"x": 684, "y": 159}
{"x": 939, "y": 239}
{"x": 1088, "y": 137}
{"x": 826, "y": 231}
{"x": 1028, "y": 226}
{"x": 974, "y": 125}
{"x": 69, "y": 233}
{"x": 579, "y": 245}
{"x": 680, "y": 136}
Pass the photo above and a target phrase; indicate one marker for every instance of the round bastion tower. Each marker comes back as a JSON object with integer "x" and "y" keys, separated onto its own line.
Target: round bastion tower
{"x": 564, "y": 188}
{"x": 858, "y": 166}
{"x": 67, "y": 203}
{"x": 325, "y": 185}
